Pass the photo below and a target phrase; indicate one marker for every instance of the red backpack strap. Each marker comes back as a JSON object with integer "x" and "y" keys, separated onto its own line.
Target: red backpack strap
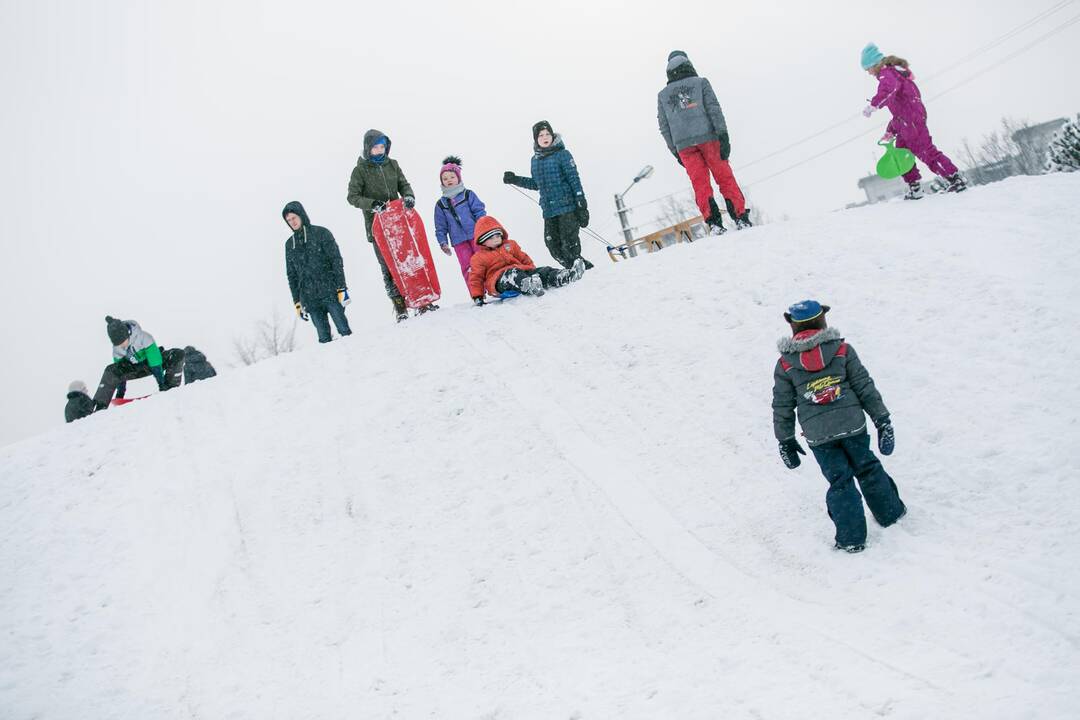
{"x": 842, "y": 351}
{"x": 784, "y": 364}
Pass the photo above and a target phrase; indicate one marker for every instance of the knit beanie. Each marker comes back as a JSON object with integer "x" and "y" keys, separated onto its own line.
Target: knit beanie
{"x": 78, "y": 386}
{"x": 675, "y": 59}
{"x": 871, "y": 56}
{"x": 117, "y": 329}
{"x": 451, "y": 163}
{"x": 542, "y": 125}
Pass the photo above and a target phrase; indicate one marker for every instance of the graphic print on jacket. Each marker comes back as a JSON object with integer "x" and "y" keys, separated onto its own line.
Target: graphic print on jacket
{"x": 822, "y": 377}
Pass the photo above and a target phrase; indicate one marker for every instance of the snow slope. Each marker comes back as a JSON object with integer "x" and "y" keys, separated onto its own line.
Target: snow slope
{"x": 572, "y": 507}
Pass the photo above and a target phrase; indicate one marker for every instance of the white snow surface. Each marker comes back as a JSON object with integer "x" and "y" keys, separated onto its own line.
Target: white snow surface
{"x": 572, "y": 506}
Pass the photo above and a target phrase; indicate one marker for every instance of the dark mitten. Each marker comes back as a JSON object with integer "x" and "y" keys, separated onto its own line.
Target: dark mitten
{"x": 410, "y": 201}
{"x": 378, "y": 206}
{"x": 582, "y": 212}
{"x": 159, "y": 375}
{"x": 886, "y": 438}
{"x": 790, "y": 450}
{"x": 725, "y": 146}
{"x": 478, "y": 301}
{"x": 509, "y": 178}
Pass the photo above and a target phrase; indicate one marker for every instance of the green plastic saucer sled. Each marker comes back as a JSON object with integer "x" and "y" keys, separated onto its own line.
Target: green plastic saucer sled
{"x": 895, "y": 162}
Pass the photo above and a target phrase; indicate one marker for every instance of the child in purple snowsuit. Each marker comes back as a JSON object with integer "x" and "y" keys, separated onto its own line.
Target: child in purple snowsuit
{"x": 456, "y": 214}
{"x": 898, "y": 92}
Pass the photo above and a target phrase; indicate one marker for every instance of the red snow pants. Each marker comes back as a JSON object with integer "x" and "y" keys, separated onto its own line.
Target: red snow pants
{"x": 699, "y": 160}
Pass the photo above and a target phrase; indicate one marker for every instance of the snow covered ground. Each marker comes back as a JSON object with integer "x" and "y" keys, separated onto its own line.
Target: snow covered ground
{"x": 572, "y": 507}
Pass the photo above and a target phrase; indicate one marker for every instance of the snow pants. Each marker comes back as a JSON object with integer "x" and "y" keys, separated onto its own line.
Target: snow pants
{"x": 318, "y": 312}
{"x": 392, "y": 291}
{"x": 116, "y": 375}
{"x": 699, "y": 161}
{"x": 561, "y": 235}
{"x": 464, "y": 252}
{"x": 913, "y": 134}
{"x": 842, "y": 461}
{"x": 549, "y": 276}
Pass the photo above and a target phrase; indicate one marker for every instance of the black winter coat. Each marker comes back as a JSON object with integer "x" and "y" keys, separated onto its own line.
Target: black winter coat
{"x": 196, "y": 366}
{"x": 312, "y": 261}
{"x": 79, "y": 405}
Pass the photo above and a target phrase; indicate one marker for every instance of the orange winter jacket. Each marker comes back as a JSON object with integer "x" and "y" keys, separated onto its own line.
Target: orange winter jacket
{"x": 487, "y": 265}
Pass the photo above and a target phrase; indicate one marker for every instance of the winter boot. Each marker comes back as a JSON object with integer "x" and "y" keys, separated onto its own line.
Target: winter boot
{"x": 956, "y": 183}
{"x": 914, "y": 191}
{"x": 430, "y": 307}
{"x": 715, "y": 221}
{"x": 743, "y": 221}
{"x": 853, "y": 548}
{"x": 400, "y": 311}
{"x": 532, "y": 285}
{"x": 578, "y": 270}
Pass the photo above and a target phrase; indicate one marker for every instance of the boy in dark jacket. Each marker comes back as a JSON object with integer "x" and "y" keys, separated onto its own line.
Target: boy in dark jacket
{"x": 695, "y": 131}
{"x": 79, "y": 404}
{"x": 555, "y": 176}
{"x": 821, "y": 375}
{"x": 135, "y": 355}
{"x": 316, "y": 273}
{"x": 376, "y": 180}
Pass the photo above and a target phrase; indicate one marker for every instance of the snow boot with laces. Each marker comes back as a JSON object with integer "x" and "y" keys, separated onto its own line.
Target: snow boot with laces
{"x": 914, "y": 191}
{"x": 956, "y": 183}
{"x": 532, "y": 285}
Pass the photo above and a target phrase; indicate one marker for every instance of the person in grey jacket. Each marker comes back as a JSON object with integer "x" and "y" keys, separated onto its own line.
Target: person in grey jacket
{"x": 820, "y": 375}
{"x": 695, "y": 131}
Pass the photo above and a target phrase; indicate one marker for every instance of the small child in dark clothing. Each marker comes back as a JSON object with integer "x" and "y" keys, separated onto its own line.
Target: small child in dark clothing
{"x": 821, "y": 375}
{"x": 79, "y": 404}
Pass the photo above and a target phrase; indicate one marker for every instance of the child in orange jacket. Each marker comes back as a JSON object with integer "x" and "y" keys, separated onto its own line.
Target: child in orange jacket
{"x": 500, "y": 265}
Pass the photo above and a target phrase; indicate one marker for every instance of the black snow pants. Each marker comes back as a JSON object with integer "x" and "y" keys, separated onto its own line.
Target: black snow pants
{"x": 561, "y": 235}
{"x": 117, "y": 374}
{"x": 549, "y": 276}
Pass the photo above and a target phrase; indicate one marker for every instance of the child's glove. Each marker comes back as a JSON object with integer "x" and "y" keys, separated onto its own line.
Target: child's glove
{"x": 445, "y": 249}
{"x": 478, "y": 301}
{"x": 725, "y": 146}
{"x": 410, "y": 202}
{"x": 886, "y": 438}
{"x": 301, "y": 312}
{"x": 509, "y": 177}
{"x": 343, "y": 297}
{"x": 868, "y": 110}
{"x": 378, "y": 207}
{"x": 790, "y": 450}
{"x": 582, "y": 212}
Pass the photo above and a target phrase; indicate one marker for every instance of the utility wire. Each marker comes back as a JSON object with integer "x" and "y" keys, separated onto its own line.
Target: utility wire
{"x": 588, "y": 231}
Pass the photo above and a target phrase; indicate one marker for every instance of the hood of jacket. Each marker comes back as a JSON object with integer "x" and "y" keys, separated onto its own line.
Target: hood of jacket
{"x": 681, "y": 71}
{"x": 811, "y": 350}
{"x": 298, "y": 209}
{"x": 555, "y": 146}
{"x": 486, "y": 224}
{"x": 369, "y": 141}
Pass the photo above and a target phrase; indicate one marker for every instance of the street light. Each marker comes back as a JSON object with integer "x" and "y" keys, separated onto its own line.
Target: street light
{"x": 620, "y": 207}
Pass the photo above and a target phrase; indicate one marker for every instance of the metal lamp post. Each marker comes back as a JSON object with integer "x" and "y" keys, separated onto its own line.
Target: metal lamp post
{"x": 620, "y": 207}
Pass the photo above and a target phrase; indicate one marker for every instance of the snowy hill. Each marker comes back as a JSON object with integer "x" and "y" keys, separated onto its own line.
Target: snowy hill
{"x": 572, "y": 507}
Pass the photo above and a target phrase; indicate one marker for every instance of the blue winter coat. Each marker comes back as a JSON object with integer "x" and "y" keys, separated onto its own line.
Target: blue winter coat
{"x": 455, "y": 218}
{"x": 555, "y": 175}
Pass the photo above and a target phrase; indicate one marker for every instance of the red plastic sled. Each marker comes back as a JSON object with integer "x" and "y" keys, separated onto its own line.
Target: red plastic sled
{"x": 402, "y": 240}
{"x": 126, "y": 400}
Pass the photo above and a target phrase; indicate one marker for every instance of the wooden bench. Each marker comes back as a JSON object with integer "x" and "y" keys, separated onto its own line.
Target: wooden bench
{"x": 686, "y": 231}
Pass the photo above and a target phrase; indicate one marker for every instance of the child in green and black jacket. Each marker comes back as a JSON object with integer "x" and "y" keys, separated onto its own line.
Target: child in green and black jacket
{"x": 136, "y": 355}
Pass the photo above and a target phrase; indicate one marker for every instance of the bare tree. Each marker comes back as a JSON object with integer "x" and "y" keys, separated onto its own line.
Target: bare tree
{"x": 271, "y": 337}
{"x": 1008, "y": 151}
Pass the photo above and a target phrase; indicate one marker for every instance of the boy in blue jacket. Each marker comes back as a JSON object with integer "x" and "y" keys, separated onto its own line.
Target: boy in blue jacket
{"x": 555, "y": 176}
{"x": 821, "y": 376}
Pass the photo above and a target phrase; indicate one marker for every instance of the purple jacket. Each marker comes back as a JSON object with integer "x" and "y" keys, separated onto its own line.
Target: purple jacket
{"x": 898, "y": 92}
{"x": 455, "y": 222}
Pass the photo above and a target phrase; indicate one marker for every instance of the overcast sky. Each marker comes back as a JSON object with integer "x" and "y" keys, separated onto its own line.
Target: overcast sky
{"x": 149, "y": 147}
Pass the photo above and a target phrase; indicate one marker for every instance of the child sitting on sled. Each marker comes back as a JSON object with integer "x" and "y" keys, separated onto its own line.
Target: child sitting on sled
{"x": 501, "y": 266}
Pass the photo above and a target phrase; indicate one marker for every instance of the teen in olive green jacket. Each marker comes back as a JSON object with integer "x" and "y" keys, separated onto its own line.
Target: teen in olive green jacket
{"x": 376, "y": 180}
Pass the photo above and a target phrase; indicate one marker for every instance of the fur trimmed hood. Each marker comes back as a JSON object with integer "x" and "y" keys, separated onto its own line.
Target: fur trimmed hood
{"x": 808, "y": 342}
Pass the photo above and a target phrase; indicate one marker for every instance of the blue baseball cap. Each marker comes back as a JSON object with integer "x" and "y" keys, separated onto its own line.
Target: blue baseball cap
{"x": 806, "y": 310}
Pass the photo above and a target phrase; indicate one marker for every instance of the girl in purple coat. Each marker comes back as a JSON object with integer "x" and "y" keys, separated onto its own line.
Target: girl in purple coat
{"x": 898, "y": 92}
{"x": 456, "y": 214}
